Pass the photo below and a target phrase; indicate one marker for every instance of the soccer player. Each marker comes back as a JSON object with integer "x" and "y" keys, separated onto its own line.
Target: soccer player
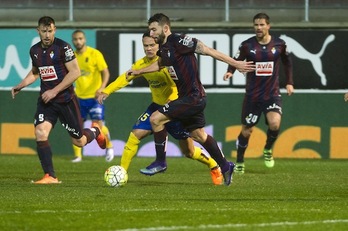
{"x": 54, "y": 62}
{"x": 262, "y": 87}
{"x": 94, "y": 78}
{"x": 177, "y": 54}
{"x": 163, "y": 90}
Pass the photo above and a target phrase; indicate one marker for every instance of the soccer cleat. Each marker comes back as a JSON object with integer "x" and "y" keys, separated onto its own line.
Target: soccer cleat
{"x": 216, "y": 175}
{"x": 47, "y": 179}
{"x": 100, "y": 137}
{"x": 239, "y": 168}
{"x": 154, "y": 168}
{"x": 269, "y": 161}
{"x": 77, "y": 160}
{"x": 228, "y": 175}
{"x": 109, "y": 155}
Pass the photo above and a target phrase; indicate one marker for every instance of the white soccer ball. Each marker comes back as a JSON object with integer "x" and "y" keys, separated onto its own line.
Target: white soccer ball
{"x": 116, "y": 176}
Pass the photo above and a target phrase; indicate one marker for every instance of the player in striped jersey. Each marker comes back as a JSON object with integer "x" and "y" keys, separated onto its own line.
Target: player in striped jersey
{"x": 178, "y": 55}
{"x": 54, "y": 62}
{"x": 94, "y": 78}
{"x": 262, "y": 93}
{"x": 163, "y": 90}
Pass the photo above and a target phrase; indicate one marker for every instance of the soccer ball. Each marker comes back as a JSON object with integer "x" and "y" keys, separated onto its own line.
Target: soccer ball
{"x": 116, "y": 176}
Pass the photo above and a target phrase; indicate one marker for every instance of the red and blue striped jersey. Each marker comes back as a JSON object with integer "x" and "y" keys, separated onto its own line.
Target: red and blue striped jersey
{"x": 51, "y": 65}
{"x": 178, "y": 56}
{"x": 263, "y": 83}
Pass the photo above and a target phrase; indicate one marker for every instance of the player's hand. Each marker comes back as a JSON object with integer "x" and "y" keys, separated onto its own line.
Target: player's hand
{"x": 346, "y": 97}
{"x": 15, "y": 90}
{"x": 228, "y": 75}
{"x": 132, "y": 72}
{"x": 289, "y": 89}
{"x": 243, "y": 66}
{"x": 48, "y": 95}
{"x": 101, "y": 97}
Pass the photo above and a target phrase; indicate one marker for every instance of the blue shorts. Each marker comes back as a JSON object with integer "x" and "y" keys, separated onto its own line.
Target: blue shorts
{"x": 174, "y": 128}
{"x": 91, "y": 108}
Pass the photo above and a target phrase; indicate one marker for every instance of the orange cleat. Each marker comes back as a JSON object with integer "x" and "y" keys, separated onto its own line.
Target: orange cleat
{"x": 216, "y": 175}
{"x": 47, "y": 179}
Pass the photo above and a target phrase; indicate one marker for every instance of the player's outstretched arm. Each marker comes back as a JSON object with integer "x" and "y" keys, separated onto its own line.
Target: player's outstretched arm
{"x": 241, "y": 66}
{"x": 152, "y": 68}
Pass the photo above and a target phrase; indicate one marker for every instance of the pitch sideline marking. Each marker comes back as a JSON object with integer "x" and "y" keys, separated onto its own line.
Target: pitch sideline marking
{"x": 201, "y": 227}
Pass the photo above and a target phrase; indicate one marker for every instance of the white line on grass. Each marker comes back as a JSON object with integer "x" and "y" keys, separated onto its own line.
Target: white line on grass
{"x": 202, "y": 227}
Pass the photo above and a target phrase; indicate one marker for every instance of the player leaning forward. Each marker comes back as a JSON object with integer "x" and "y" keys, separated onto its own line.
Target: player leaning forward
{"x": 54, "y": 62}
{"x": 177, "y": 54}
{"x": 262, "y": 94}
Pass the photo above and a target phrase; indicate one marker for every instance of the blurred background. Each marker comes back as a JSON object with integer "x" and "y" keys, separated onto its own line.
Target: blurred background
{"x": 316, "y": 32}
{"x": 22, "y": 12}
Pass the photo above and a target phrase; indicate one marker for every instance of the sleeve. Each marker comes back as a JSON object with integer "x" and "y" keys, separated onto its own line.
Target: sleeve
{"x": 101, "y": 63}
{"x": 68, "y": 52}
{"x": 185, "y": 44}
{"x": 119, "y": 83}
{"x": 287, "y": 62}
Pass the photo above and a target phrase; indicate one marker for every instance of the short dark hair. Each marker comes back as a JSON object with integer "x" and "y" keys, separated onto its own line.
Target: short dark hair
{"x": 262, "y": 16}
{"x": 146, "y": 34}
{"x": 79, "y": 31}
{"x": 46, "y": 21}
{"x": 160, "y": 18}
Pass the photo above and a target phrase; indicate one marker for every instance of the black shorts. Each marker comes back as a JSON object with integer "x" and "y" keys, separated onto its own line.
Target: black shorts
{"x": 251, "y": 111}
{"x": 68, "y": 114}
{"x": 188, "y": 110}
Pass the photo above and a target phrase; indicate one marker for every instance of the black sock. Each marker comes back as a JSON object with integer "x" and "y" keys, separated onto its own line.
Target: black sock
{"x": 90, "y": 135}
{"x": 271, "y": 138}
{"x": 214, "y": 151}
{"x": 45, "y": 155}
{"x": 161, "y": 139}
{"x": 241, "y": 147}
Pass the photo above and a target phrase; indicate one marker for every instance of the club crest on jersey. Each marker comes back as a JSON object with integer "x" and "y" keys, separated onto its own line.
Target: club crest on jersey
{"x": 168, "y": 54}
{"x": 52, "y": 54}
{"x": 273, "y": 50}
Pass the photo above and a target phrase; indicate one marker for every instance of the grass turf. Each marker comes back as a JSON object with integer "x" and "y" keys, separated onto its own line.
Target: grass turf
{"x": 294, "y": 195}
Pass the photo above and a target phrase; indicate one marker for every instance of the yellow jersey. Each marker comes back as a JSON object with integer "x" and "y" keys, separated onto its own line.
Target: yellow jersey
{"x": 163, "y": 88}
{"x": 91, "y": 63}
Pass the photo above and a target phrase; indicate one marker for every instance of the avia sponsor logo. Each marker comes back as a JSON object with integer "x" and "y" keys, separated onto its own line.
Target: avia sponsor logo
{"x": 264, "y": 68}
{"x": 48, "y": 73}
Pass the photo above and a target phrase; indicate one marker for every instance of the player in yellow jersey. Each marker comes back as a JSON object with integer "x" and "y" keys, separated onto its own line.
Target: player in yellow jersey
{"x": 163, "y": 90}
{"x": 94, "y": 78}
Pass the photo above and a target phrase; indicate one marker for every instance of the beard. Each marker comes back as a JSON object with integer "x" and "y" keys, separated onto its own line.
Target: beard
{"x": 160, "y": 38}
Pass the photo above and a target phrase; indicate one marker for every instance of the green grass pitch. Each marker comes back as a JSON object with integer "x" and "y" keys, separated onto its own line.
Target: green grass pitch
{"x": 295, "y": 195}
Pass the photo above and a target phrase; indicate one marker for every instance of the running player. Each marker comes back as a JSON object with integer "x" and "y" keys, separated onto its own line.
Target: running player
{"x": 177, "y": 54}
{"x": 163, "y": 90}
{"x": 54, "y": 62}
{"x": 262, "y": 87}
{"x": 94, "y": 78}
